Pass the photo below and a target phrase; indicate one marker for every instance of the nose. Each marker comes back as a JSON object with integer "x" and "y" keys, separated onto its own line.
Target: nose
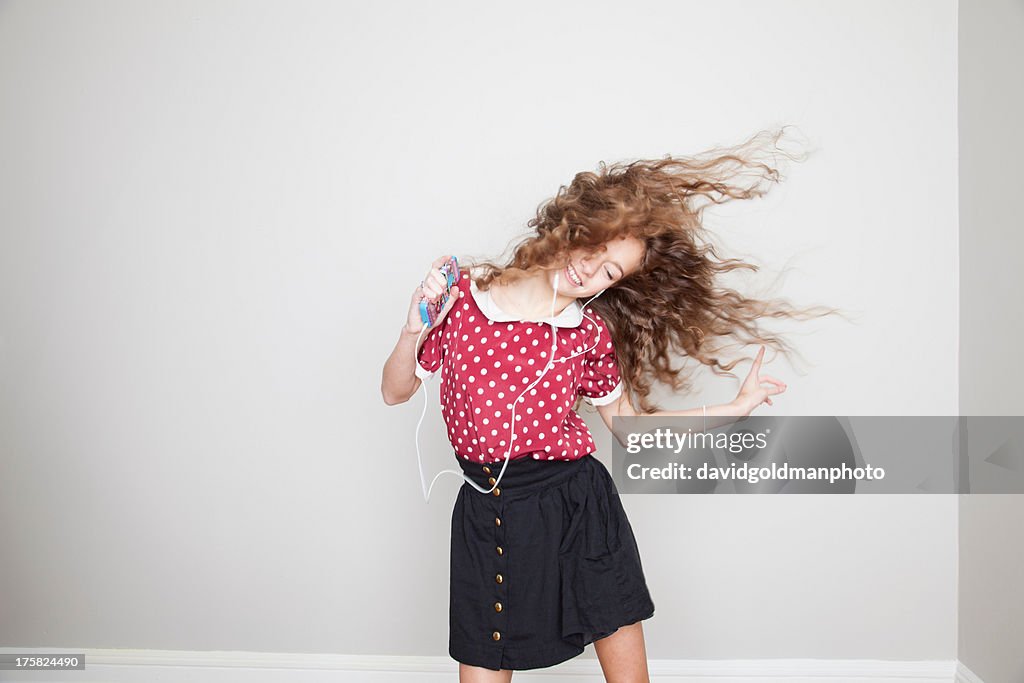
{"x": 585, "y": 267}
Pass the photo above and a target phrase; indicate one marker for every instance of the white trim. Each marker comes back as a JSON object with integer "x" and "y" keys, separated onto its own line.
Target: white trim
{"x": 218, "y": 666}
{"x": 422, "y": 372}
{"x": 607, "y": 398}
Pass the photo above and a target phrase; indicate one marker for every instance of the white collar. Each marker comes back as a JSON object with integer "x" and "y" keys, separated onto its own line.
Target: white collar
{"x": 571, "y": 315}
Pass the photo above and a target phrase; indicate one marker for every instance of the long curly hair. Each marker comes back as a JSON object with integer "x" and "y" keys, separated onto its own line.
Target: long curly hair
{"x": 675, "y": 302}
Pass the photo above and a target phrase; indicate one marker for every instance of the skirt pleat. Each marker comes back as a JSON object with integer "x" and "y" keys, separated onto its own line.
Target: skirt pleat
{"x": 544, "y": 568}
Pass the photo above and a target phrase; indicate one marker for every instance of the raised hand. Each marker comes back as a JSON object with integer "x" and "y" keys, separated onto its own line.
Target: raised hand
{"x": 752, "y": 394}
{"x": 433, "y": 286}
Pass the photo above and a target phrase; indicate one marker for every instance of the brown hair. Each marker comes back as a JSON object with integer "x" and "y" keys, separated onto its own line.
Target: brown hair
{"x": 674, "y": 302}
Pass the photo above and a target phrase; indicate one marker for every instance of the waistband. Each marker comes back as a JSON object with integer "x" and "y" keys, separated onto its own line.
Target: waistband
{"x": 524, "y": 473}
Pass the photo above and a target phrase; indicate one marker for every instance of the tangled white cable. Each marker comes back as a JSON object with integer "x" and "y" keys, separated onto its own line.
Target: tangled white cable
{"x": 512, "y": 421}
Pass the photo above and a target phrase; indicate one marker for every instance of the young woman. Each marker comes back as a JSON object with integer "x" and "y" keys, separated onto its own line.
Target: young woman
{"x": 543, "y": 557}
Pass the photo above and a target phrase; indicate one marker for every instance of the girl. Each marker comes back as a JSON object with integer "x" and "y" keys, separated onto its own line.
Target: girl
{"x": 545, "y": 562}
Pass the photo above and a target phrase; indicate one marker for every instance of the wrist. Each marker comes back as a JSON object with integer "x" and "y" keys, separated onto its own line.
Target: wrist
{"x": 739, "y": 406}
{"x": 406, "y": 330}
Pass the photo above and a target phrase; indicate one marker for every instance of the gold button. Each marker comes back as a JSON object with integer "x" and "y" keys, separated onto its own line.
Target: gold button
{"x": 501, "y": 551}
{"x": 499, "y": 578}
{"x": 496, "y": 492}
{"x": 497, "y": 607}
{"x": 487, "y": 470}
{"x": 497, "y": 521}
{"x": 495, "y": 636}
{"x": 492, "y": 481}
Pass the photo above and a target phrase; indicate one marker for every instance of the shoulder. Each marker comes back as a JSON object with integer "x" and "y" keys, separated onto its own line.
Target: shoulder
{"x": 463, "y": 285}
{"x": 596, "y": 332}
{"x": 592, "y": 321}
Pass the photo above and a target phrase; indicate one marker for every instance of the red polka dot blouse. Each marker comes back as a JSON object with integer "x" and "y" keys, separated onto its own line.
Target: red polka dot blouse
{"x": 488, "y": 360}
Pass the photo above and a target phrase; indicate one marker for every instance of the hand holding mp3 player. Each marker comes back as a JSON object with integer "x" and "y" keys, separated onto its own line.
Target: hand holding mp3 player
{"x": 435, "y": 295}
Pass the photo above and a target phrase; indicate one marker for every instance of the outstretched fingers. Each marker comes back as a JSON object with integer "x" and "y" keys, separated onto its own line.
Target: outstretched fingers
{"x": 779, "y": 387}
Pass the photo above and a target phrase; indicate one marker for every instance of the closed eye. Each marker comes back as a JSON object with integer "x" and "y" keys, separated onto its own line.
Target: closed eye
{"x": 608, "y": 274}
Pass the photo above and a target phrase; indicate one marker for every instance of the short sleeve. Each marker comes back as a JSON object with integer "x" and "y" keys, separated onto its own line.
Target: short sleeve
{"x": 432, "y": 351}
{"x": 600, "y": 383}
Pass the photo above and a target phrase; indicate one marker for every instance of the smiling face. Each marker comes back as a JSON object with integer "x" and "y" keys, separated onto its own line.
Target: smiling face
{"x": 586, "y": 274}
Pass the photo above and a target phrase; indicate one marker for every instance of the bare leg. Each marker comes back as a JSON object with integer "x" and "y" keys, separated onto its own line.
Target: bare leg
{"x": 478, "y": 674}
{"x": 623, "y": 655}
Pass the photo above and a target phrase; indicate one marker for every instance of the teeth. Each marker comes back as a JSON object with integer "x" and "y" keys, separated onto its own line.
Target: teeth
{"x": 575, "y": 276}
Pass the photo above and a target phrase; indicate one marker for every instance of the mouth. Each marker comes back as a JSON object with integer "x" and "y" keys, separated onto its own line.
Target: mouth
{"x": 574, "y": 277}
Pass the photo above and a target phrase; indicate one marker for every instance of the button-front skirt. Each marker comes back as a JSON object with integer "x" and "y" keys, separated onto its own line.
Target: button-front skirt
{"x": 544, "y": 568}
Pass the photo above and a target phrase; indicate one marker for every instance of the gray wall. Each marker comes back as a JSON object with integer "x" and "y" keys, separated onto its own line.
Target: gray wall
{"x": 213, "y": 215}
{"x": 991, "y": 96}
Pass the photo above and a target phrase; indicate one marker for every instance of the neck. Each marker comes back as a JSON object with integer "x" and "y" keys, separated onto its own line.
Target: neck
{"x": 531, "y": 296}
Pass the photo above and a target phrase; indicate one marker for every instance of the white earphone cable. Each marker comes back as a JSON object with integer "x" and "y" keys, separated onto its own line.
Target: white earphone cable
{"x": 512, "y": 420}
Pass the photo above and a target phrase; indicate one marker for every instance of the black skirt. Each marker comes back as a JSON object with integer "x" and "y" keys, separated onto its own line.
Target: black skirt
{"x": 543, "y": 568}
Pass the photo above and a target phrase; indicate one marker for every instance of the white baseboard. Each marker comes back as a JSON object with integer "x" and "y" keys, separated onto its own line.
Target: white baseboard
{"x": 965, "y": 675}
{"x": 174, "y": 666}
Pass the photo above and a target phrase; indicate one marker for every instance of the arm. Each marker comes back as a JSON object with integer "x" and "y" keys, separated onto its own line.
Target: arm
{"x": 751, "y": 395}
{"x": 718, "y": 416}
{"x": 399, "y": 381}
